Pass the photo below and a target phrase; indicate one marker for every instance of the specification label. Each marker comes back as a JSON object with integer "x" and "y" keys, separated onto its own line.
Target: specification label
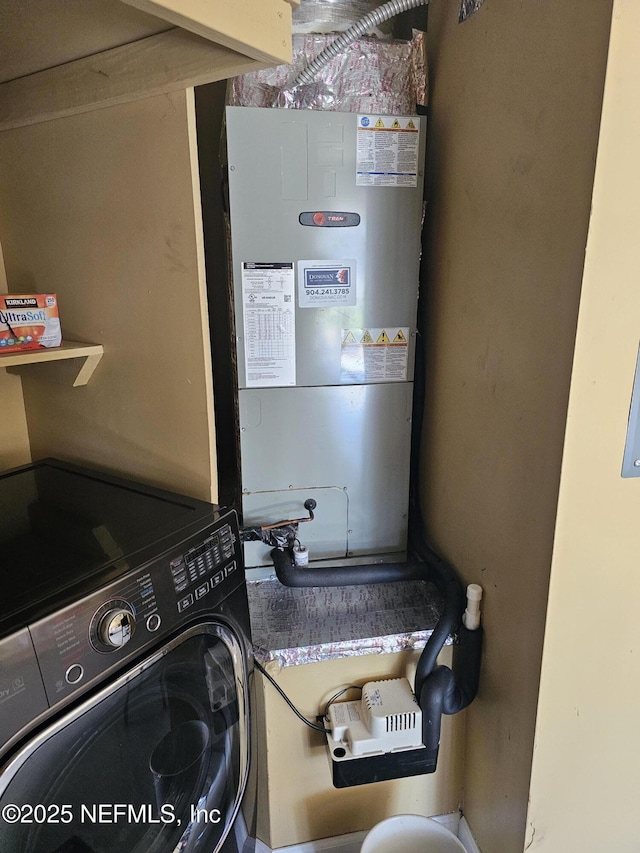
{"x": 269, "y": 323}
{"x": 387, "y": 151}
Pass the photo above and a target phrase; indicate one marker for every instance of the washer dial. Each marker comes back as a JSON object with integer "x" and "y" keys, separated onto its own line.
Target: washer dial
{"x": 112, "y": 626}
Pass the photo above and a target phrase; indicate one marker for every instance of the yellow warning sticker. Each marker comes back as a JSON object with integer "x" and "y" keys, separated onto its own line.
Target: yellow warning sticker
{"x": 374, "y": 355}
{"x": 375, "y": 337}
{"x": 411, "y": 125}
{"x": 395, "y": 125}
{"x": 379, "y": 123}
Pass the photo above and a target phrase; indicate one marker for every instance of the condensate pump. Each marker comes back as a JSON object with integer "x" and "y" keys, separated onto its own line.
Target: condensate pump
{"x": 388, "y": 734}
{"x": 378, "y": 737}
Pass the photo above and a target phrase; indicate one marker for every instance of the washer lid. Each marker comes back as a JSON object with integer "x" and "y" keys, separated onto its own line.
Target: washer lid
{"x": 61, "y": 525}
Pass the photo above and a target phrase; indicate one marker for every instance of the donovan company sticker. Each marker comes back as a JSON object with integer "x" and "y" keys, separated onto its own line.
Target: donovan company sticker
{"x": 323, "y": 283}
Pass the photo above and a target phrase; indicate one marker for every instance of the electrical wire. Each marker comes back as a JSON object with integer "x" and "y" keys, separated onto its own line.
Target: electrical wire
{"x": 338, "y": 695}
{"x": 300, "y": 716}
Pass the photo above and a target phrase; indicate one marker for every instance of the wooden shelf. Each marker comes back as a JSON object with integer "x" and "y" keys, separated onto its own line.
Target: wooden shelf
{"x": 72, "y": 363}
{"x": 90, "y": 54}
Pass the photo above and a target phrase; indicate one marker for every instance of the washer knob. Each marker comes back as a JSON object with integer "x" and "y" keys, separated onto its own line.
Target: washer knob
{"x": 116, "y": 627}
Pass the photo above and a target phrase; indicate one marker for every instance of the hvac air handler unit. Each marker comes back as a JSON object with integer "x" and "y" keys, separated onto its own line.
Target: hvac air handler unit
{"x": 326, "y": 213}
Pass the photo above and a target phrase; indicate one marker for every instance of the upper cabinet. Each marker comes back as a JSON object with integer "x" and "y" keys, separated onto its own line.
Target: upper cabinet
{"x": 62, "y": 57}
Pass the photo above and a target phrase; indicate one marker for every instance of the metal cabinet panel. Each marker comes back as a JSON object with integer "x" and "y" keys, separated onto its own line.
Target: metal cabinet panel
{"x": 268, "y": 152}
{"x": 354, "y": 439}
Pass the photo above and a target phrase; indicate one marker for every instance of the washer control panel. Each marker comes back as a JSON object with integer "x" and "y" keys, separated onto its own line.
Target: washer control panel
{"x": 104, "y": 630}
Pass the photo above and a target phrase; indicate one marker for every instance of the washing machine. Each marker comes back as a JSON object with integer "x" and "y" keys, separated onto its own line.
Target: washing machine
{"x": 125, "y": 668}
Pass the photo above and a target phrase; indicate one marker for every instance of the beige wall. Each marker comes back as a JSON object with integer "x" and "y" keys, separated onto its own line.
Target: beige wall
{"x": 515, "y": 105}
{"x": 101, "y": 208}
{"x": 586, "y": 779}
{"x": 14, "y": 437}
{"x": 300, "y": 802}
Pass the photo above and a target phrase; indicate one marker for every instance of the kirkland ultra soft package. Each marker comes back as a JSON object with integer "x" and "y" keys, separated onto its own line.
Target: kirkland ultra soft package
{"x": 29, "y": 321}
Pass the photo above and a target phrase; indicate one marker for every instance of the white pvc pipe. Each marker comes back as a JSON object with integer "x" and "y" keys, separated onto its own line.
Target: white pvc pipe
{"x": 471, "y": 616}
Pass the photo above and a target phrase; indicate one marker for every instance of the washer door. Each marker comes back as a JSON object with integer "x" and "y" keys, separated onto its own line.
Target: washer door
{"x": 157, "y": 761}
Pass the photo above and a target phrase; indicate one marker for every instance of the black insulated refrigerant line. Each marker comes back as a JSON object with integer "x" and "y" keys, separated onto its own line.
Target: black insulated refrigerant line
{"x": 428, "y": 567}
{"x": 446, "y": 691}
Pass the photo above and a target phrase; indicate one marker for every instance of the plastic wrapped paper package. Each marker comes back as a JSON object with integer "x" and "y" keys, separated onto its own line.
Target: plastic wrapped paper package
{"x": 370, "y": 76}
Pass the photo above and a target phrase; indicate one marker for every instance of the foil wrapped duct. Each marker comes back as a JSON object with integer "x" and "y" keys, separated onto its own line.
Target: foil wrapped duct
{"x": 335, "y": 16}
{"x": 299, "y": 625}
{"x": 371, "y": 76}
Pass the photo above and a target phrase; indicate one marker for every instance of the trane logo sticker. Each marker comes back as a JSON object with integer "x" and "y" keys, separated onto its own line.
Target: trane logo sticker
{"x": 329, "y": 219}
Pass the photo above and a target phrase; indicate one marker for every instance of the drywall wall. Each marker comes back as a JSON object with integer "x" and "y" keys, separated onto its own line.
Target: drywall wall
{"x": 586, "y": 782}
{"x": 103, "y": 209}
{"x": 14, "y": 437}
{"x": 515, "y": 104}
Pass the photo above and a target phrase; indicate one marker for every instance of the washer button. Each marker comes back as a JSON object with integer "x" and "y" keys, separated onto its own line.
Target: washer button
{"x": 153, "y": 622}
{"x": 74, "y": 674}
{"x": 185, "y": 602}
{"x": 203, "y": 589}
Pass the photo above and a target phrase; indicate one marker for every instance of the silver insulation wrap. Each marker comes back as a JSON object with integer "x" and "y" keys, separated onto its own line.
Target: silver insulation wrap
{"x": 335, "y": 16}
{"x": 298, "y": 626}
{"x": 376, "y": 17}
{"x": 371, "y": 75}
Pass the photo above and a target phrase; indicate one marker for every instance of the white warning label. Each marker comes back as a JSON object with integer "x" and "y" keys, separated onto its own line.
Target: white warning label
{"x": 374, "y": 355}
{"x": 387, "y": 151}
